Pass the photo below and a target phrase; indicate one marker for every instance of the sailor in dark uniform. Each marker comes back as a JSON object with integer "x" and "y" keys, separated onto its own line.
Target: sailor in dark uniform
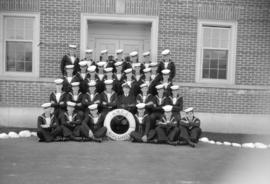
{"x": 119, "y": 55}
{"x": 70, "y": 59}
{"x": 146, "y": 59}
{"x": 76, "y": 96}
{"x": 58, "y": 98}
{"x": 159, "y": 101}
{"x": 108, "y": 98}
{"x": 133, "y": 58}
{"x": 154, "y": 75}
{"x": 108, "y": 73}
{"x": 142, "y": 124}
{"x": 92, "y": 73}
{"x": 94, "y": 121}
{"x": 167, "y": 127}
{"x": 91, "y": 96}
{"x": 48, "y": 126}
{"x": 82, "y": 77}
{"x": 118, "y": 77}
{"x": 68, "y": 78}
{"x": 89, "y": 57}
{"x": 190, "y": 130}
{"x": 137, "y": 79}
{"x": 127, "y": 100}
{"x": 109, "y": 62}
{"x": 167, "y": 83}
{"x": 101, "y": 77}
{"x": 145, "y": 98}
{"x": 176, "y": 101}
{"x": 167, "y": 63}
{"x": 71, "y": 123}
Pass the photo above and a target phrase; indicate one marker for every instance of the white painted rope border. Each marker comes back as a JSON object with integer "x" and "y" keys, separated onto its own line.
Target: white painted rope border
{"x": 257, "y": 145}
{"x": 23, "y": 133}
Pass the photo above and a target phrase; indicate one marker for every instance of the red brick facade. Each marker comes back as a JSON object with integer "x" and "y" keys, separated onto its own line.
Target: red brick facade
{"x": 60, "y": 25}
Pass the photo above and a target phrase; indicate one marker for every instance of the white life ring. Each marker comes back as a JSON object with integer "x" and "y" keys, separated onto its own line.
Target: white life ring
{"x": 128, "y": 116}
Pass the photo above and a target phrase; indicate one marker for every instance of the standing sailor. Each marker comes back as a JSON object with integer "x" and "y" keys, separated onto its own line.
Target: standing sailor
{"x": 68, "y": 78}
{"x": 89, "y": 57}
{"x": 167, "y": 63}
{"x": 70, "y": 59}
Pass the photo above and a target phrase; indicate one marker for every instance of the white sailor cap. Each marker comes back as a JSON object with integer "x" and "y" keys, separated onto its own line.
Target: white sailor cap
{"x": 165, "y": 71}
{"x": 83, "y": 63}
{"x": 118, "y": 63}
{"x": 140, "y": 105}
{"x": 167, "y": 108}
{"x": 101, "y": 63}
{"x": 109, "y": 69}
{"x": 160, "y": 86}
{"x": 143, "y": 85}
{"x": 128, "y": 70}
{"x": 92, "y": 83}
{"x": 174, "y": 87}
{"x": 146, "y": 53}
{"x": 71, "y": 104}
{"x": 125, "y": 85}
{"x": 74, "y": 84}
{"x": 72, "y": 46}
{"x": 109, "y": 81}
{"x": 69, "y": 66}
{"x": 104, "y": 51}
{"x": 136, "y": 65}
{"x": 153, "y": 64}
{"x": 91, "y": 68}
{"x": 134, "y": 53}
{"x": 46, "y": 105}
{"x": 58, "y": 81}
{"x": 189, "y": 109}
{"x": 147, "y": 70}
{"x": 89, "y": 51}
{"x": 165, "y": 52}
{"x": 93, "y": 106}
{"x": 119, "y": 51}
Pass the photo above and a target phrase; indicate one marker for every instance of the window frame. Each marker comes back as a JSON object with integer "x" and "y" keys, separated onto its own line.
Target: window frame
{"x": 231, "y": 52}
{"x": 35, "y": 47}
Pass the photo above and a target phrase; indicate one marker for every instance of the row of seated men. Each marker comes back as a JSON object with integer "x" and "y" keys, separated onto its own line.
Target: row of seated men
{"x": 77, "y": 115}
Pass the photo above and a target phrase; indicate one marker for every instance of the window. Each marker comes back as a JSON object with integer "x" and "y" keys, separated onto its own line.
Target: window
{"x": 216, "y": 52}
{"x": 20, "y": 45}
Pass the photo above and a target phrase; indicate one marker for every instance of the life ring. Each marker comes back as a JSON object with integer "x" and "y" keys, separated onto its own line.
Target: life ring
{"x": 131, "y": 122}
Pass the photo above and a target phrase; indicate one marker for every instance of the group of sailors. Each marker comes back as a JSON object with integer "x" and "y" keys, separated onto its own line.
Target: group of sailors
{"x": 89, "y": 90}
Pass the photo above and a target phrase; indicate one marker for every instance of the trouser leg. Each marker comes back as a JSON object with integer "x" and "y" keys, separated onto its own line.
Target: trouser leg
{"x": 161, "y": 134}
{"x": 195, "y": 134}
{"x": 173, "y": 134}
{"x": 100, "y": 133}
{"x": 136, "y": 136}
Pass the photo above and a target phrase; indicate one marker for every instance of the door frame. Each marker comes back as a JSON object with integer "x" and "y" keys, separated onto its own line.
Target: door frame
{"x": 154, "y": 20}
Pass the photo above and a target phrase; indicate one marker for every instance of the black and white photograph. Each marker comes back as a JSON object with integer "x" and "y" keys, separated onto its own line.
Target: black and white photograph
{"x": 134, "y": 91}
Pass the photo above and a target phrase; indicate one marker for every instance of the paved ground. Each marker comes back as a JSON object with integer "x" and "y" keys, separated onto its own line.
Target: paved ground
{"x": 26, "y": 161}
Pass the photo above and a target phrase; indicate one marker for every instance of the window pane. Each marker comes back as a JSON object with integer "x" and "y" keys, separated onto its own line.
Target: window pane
{"x": 19, "y": 28}
{"x": 19, "y": 56}
{"x": 214, "y": 63}
{"x": 222, "y": 74}
{"x": 222, "y": 64}
{"x": 213, "y": 73}
{"x": 206, "y": 64}
{"x": 205, "y": 73}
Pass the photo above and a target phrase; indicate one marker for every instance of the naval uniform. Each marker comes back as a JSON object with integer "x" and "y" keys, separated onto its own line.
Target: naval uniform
{"x": 58, "y": 102}
{"x": 177, "y": 104}
{"x": 70, "y": 60}
{"x": 67, "y": 87}
{"x": 83, "y": 79}
{"x": 167, "y": 129}
{"x": 72, "y": 125}
{"x": 167, "y": 65}
{"x": 142, "y": 127}
{"x": 96, "y": 125}
{"x": 191, "y": 130}
{"x": 47, "y": 134}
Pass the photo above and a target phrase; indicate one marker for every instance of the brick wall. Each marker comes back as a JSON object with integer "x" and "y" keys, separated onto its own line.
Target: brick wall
{"x": 178, "y": 31}
{"x": 59, "y": 26}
